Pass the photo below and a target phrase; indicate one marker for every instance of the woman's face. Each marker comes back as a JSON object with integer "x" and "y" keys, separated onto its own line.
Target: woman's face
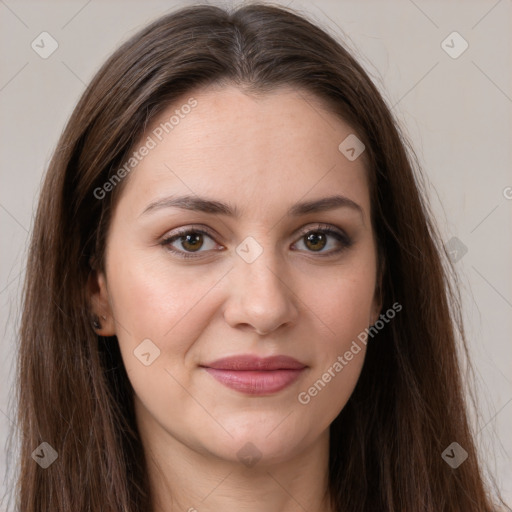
{"x": 253, "y": 275}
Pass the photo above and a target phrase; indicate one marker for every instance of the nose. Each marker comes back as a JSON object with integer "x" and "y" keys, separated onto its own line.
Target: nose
{"x": 261, "y": 295}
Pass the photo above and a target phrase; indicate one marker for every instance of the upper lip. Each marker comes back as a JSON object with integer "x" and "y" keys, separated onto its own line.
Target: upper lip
{"x": 250, "y": 362}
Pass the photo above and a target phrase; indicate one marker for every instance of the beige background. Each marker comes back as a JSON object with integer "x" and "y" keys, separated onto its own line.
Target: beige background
{"x": 456, "y": 111}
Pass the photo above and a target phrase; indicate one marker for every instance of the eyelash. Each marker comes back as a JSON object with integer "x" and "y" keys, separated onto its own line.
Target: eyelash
{"x": 325, "y": 229}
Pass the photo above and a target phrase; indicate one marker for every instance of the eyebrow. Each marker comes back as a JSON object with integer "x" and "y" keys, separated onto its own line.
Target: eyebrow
{"x": 205, "y": 205}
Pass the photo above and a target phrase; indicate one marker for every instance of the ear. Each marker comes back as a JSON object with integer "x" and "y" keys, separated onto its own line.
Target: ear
{"x": 100, "y": 305}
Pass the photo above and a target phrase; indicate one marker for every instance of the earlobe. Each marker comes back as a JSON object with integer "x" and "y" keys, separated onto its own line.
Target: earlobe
{"x": 102, "y": 318}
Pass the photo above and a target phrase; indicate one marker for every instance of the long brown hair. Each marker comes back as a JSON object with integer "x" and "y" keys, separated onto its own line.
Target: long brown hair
{"x": 72, "y": 389}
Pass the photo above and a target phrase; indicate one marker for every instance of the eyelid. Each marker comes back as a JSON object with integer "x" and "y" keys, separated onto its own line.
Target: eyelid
{"x": 329, "y": 229}
{"x": 321, "y": 226}
{"x": 182, "y": 231}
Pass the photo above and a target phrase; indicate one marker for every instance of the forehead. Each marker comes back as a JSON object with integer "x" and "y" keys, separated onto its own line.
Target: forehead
{"x": 250, "y": 150}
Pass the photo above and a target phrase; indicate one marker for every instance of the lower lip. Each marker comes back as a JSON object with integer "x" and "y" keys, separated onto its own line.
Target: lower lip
{"x": 255, "y": 382}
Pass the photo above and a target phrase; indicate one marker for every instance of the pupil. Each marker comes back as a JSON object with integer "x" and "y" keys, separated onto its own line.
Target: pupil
{"x": 194, "y": 237}
{"x": 315, "y": 238}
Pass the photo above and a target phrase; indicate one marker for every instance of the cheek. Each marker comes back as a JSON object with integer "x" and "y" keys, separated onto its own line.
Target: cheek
{"x": 342, "y": 303}
{"x": 153, "y": 300}
{"x": 156, "y": 300}
{"x": 328, "y": 390}
{"x": 341, "y": 298}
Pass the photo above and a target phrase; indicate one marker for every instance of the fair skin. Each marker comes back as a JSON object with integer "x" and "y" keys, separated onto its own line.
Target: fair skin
{"x": 261, "y": 155}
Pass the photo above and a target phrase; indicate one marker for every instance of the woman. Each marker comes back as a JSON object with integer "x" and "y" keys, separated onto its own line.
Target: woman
{"x": 235, "y": 295}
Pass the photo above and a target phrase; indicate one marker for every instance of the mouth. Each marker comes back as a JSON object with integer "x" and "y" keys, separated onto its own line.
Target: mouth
{"x": 254, "y": 375}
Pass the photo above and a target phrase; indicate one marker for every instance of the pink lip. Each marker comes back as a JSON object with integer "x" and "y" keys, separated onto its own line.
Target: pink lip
{"x": 255, "y": 375}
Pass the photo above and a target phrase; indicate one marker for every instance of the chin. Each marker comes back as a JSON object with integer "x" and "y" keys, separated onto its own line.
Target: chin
{"x": 256, "y": 447}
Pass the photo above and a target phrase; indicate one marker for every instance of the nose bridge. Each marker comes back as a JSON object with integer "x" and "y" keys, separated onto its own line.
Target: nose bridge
{"x": 259, "y": 267}
{"x": 262, "y": 298}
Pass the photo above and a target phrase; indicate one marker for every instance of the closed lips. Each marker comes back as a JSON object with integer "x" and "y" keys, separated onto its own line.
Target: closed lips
{"x": 255, "y": 376}
{"x": 249, "y": 362}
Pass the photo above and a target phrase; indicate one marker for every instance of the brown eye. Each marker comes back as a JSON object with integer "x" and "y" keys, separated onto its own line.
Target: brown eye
{"x": 192, "y": 242}
{"x": 187, "y": 242}
{"x": 315, "y": 241}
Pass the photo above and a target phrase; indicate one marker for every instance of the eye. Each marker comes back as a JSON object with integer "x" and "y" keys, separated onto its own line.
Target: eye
{"x": 189, "y": 241}
{"x": 317, "y": 239}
